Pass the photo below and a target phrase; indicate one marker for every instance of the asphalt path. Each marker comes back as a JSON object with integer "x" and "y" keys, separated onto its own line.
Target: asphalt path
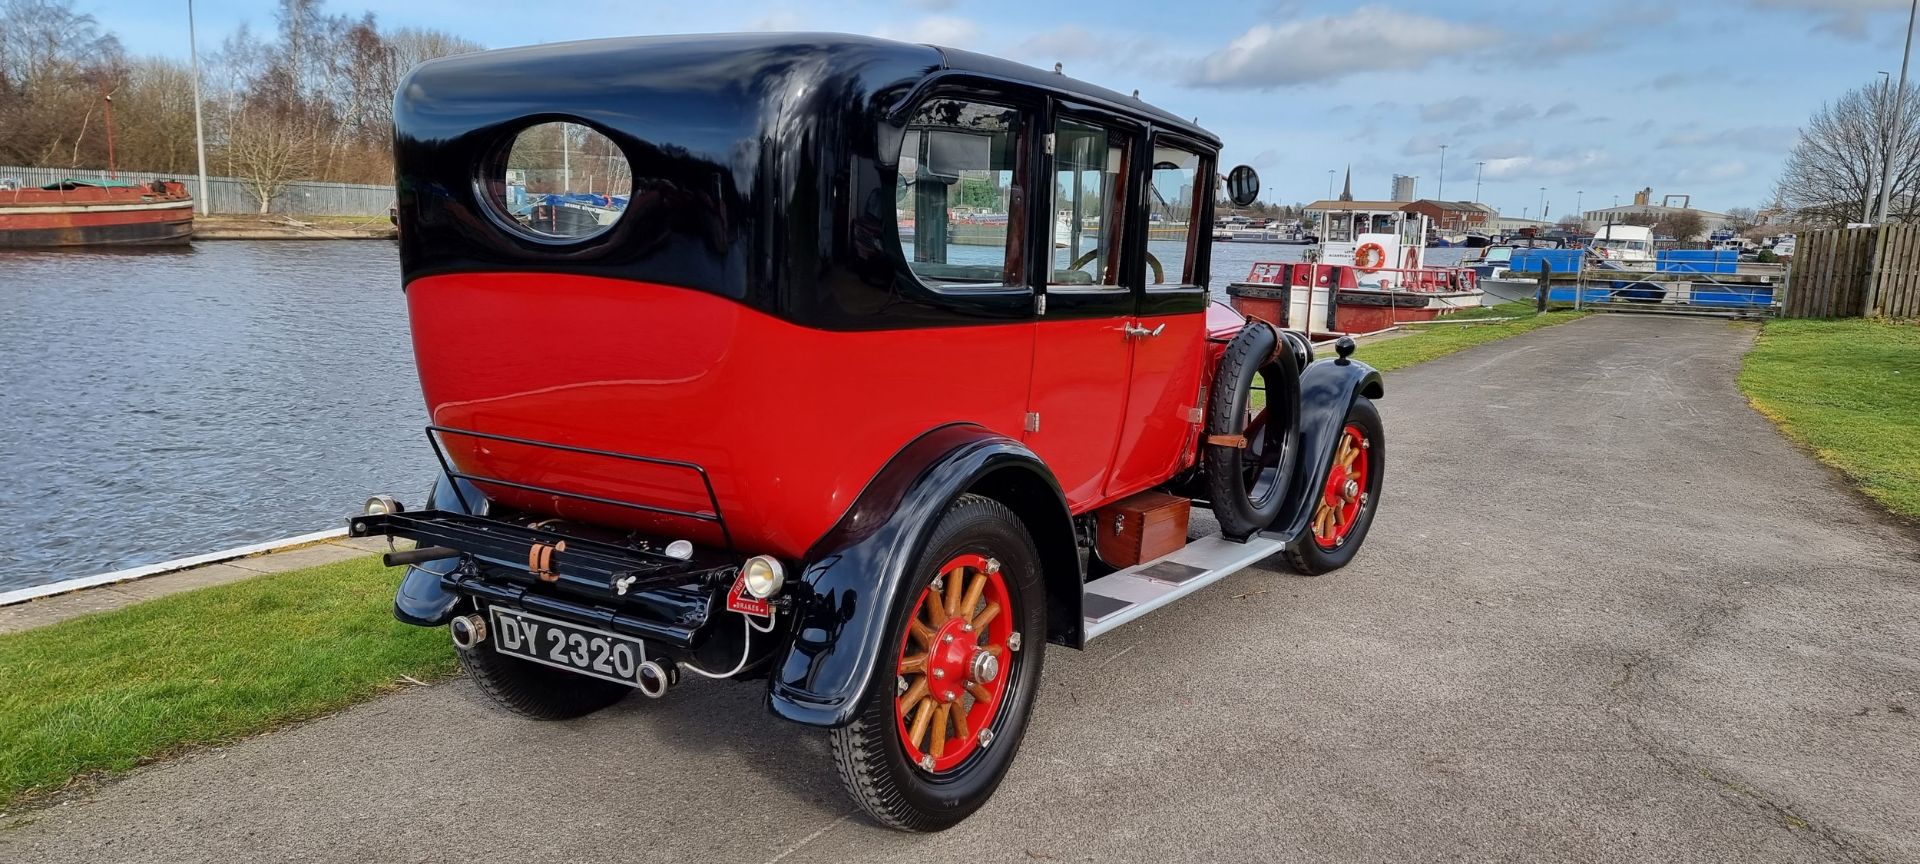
{"x": 1607, "y": 613}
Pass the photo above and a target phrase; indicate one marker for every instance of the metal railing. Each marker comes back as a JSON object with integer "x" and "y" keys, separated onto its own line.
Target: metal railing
{"x": 231, "y": 195}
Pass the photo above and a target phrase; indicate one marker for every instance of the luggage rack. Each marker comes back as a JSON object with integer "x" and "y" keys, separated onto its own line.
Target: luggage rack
{"x": 706, "y": 482}
{"x": 546, "y": 554}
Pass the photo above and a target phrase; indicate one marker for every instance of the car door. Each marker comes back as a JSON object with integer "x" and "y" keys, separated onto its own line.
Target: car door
{"x": 1163, "y": 413}
{"x": 1082, "y": 347}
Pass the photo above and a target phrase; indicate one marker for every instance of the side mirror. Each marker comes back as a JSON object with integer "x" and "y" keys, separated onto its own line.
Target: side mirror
{"x": 1243, "y": 186}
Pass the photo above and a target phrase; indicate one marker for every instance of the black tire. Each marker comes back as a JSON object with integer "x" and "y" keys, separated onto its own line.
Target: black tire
{"x": 1247, "y": 485}
{"x": 869, "y": 752}
{"x": 532, "y": 690}
{"x": 1306, "y": 554}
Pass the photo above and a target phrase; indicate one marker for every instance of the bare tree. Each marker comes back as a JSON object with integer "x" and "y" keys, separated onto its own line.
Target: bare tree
{"x": 55, "y": 65}
{"x": 270, "y": 149}
{"x": 1683, "y": 225}
{"x": 1833, "y": 173}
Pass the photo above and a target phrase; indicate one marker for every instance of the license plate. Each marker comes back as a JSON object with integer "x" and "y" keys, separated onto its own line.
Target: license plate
{"x": 568, "y": 646}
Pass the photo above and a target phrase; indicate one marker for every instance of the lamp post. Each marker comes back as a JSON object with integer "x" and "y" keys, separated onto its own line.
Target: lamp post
{"x": 1330, "y": 172}
{"x": 1440, "y": 190}
{"x": 1479, "y": 169}
{"x": 1899, "y": 101}
{"x": 1543, "y": 202}
{"x": 199, "y": 134}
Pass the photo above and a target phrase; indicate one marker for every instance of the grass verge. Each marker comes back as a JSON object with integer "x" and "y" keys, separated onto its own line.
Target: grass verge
{"x": 1849, "y": 390}
{"x": 107, "y": 692}
{"x": 1438, "y": 340}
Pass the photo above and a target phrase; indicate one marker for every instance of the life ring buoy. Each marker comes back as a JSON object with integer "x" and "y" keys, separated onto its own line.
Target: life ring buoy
{"x": 1369, "y": 257}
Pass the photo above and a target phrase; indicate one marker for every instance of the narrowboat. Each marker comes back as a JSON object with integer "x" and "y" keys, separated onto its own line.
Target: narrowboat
{"x": 75, "y": 212}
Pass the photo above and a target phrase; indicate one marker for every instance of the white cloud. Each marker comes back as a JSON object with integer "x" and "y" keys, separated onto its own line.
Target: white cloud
{"x": 1765, "y": 138}
{"x": 1458, "y": 108}
{"x": 1325, "y": 48}
{"x": 1515, "y": 113}
{"x": 1561, "y": 109}
{"x": 1844, "y": 18}
{"x": 1424, "y": 145}
{"x": 1508, "y": 149}
{"x": 1560, "y": 165}
{"x": 949, "y": 30}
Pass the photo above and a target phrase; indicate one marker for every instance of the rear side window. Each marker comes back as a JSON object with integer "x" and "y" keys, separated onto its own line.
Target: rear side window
{"x": 559, "y": 182}
{"x": 959, "y": 203}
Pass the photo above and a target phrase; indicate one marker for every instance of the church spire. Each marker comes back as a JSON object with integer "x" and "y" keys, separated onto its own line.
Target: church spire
{"x": 1346, "y": 191}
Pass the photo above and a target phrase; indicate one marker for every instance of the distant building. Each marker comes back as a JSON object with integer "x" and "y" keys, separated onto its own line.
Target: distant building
{"x": 1651, "y": 213}
{"x": 1507, "y": 224}
{"x": 1454, "y": 215}
{"x": 1402, "y": 187}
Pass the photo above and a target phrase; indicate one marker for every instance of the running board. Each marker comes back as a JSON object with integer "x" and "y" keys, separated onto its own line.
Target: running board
{"x": 1113, "y": 600}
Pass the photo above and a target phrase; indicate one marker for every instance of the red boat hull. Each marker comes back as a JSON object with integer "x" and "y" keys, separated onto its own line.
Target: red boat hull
{"x": 95, "y": 216}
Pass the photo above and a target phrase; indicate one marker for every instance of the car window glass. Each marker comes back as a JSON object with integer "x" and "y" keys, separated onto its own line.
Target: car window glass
{"x": 1173, "y": 216}
{"x": 959, "y": 201}
{"x": 1089, "y": 198}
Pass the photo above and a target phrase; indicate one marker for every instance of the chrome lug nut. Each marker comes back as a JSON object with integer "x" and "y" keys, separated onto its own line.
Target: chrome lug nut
{"x": 926, "y": 763}
{"x": 986, "y": 737}
{"x": 1013, "y": 642}
{"x": 947, "y": 638}
{"x": 939, "y": 673}
{"x": 993, "y": 565}
{"x": 952, "y": 696}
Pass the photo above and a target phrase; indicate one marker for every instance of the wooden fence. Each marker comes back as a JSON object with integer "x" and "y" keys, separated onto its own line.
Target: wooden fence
{"x": 1856, "y": 272}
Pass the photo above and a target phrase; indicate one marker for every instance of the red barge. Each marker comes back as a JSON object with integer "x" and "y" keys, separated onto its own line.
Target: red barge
{"x": 96, "y": 213}
{"x": 1369, "y": 273}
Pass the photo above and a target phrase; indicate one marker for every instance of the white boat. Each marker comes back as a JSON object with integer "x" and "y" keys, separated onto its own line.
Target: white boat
{"x": 1628, "y": 247}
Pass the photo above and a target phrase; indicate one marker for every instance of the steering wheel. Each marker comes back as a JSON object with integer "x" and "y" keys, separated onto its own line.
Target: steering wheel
{"x": 1159, "y": 273}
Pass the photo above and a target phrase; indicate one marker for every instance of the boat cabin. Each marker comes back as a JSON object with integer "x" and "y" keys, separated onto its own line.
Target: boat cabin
{"x": 1379, "y": 239}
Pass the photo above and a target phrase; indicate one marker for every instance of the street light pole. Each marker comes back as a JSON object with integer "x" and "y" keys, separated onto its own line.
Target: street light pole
{"x": 1330, "y": 172}
{"x": 1543, "y": 195}
{"x": 1899, "y": 100}
{"x": 199, "y": 133}
{"x": 1440, "y": 191}
{"x": 1479, "y": 168}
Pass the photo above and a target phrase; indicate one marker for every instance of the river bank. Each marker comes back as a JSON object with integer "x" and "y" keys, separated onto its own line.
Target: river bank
{"x": 277, "y": 227}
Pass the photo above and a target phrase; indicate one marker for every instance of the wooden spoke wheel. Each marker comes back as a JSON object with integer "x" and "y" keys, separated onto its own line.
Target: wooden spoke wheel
{"x": 1347, "y": 500}
{"x": 953, "y": 661}
{"x": 944, "y": 712}
{"x": 1346, "y": 489}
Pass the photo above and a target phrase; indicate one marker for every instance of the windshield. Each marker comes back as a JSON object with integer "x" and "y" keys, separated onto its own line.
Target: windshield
{"x": 1634, "y": 245}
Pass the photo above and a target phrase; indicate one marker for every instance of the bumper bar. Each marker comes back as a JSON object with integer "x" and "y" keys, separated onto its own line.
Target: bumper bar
{"x": 625, "y": 589}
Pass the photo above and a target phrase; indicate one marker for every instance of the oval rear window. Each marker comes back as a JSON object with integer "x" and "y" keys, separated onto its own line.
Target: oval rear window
{"x": 562, "y": 181}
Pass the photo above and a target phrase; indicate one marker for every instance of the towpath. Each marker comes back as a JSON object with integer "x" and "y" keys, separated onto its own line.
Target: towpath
{"x": 1607, "y": 614}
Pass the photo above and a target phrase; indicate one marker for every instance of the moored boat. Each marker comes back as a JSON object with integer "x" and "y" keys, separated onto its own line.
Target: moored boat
{"x": 95, "y": 213}
{"x": 1371, "y": 266}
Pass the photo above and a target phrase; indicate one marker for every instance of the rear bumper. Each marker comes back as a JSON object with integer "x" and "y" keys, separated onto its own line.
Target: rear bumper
{"x": 626, "y": 589}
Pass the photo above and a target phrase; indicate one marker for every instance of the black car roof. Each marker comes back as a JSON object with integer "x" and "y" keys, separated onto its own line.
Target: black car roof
{"x": 958, "y": 60}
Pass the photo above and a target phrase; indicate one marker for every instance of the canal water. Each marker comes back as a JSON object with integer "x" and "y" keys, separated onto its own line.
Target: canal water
{"x": 163, "y": 403}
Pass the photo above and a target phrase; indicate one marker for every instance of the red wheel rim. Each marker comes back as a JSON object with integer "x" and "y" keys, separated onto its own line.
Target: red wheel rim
{"x": 954, "y": 663}
{"x": 1346, "y": 490}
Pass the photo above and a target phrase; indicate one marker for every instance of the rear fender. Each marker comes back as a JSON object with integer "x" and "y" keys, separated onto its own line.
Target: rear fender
{"x": 422, "y": 600}
{"x": 1328, "y": 389}
{"x": 852, "y": 587}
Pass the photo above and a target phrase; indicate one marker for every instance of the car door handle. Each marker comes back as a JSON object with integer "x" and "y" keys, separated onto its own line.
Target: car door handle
{"x": 1136, "y": 331}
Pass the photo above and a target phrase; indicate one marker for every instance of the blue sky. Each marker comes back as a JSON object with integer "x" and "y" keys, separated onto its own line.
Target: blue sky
{"x": 1601, "y": 98}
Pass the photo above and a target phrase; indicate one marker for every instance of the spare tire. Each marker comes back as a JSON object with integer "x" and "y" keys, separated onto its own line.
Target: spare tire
{"x": 1250, "y": 453}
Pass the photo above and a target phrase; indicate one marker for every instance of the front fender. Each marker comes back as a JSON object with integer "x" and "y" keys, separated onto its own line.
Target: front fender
{"x": 1328, "y": 389}
{"x": 852, "y": 584}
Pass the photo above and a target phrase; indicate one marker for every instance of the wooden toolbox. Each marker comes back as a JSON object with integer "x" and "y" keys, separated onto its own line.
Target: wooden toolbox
{"x": 1141, "y": 528}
